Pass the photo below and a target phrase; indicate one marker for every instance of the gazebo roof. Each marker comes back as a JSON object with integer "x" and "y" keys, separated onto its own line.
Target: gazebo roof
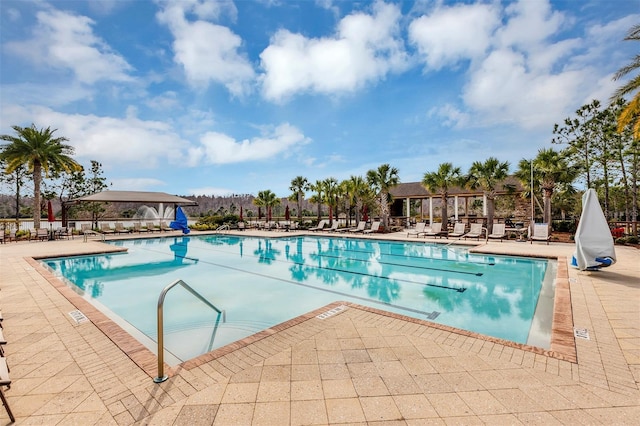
{"x": 134, "y": 197}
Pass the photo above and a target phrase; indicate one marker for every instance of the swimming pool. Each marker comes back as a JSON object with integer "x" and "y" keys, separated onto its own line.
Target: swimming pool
{"x": 261, "y": 282}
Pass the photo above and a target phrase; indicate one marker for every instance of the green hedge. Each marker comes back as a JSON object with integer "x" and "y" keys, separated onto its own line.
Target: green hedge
{"x": 564, "y": 226}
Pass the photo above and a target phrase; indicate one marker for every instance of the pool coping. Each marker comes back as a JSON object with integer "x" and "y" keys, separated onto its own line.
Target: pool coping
{"x": 563, "y": 344}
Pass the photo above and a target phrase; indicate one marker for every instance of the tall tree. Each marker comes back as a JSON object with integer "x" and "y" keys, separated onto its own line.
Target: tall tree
{"x": 330, "y": 186}
{"x": 93, "y": 183}
{"x": 441, "y": 181}
{"x": 318, "y": 188}
{"x": 360, "y": 192}
{"x": 39, "y": 151}
{"x": 630, "y": 115}
{"x": 578, "y": 134}
{"x": 299, "y": 186}
{"x": 15, "y": 179}
{"x": 487, "y": 176}
{"x": 266, "y": 199}
{"x": 382, "y": 180}
{"x": 550, "y": 168}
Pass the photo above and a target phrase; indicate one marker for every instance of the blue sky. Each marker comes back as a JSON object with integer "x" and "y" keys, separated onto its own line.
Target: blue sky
{"x": 218, "y": 97}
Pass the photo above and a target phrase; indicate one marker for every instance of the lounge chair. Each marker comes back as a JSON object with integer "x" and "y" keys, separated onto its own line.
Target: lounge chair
{"x": 475, "y": 231}
{"x": 165, "y": 227}
{"x": 498, "y": 232}
{"x": 345, "y": 229}
{"x": 540, "y": 233}
{"x": 241, "y": 226}
{"x": 360, "y": 228}
{"x": 5, "y": 381}
{"x": 375, "y": 227}
{"x": 120, "y": 229}
{"x": 2, "y": 236}
{"x": 320, "y": 226}
{"x": 458, "y": 230}
{"x": 419, "y": 229}
{"x": 435, "y": 230}
{"x": 151, "y": 227}
{"x": 41, "y": 234}
{"x": 334, "y": 226}
{"x": 64, "y": 232}
{"x": 137, "y": 227}
{"x": 105, "y": 228}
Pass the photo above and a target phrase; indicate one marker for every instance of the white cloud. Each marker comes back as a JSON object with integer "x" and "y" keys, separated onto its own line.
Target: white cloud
{"x": 529, "y": 24}
{"x": 164, "y": 101}
{"x": 453, "y": 34}
{"x": 218, "y": 148}
{"x": 66, "y": 41}
{"x": 450, "y": 116}
{"x": 521, "y": 65}
{"x": 58, "y": 94}
{"x": 135, "y": 184}
{"x": 502, "y": 90}
{"x": 112, "y": 141}
{"x": 364, "y": 49}
{"x": 207, "y": 52}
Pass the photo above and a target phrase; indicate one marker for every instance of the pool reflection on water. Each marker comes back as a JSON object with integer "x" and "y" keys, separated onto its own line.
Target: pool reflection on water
{"x": 261, "y": 282}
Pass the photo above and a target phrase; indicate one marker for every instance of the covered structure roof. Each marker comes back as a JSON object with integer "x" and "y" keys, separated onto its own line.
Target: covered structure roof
{"x": 134, "y": 197}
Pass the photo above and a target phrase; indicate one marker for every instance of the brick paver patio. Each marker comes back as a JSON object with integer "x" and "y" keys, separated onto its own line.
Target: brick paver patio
{"x": 360, "y": 366}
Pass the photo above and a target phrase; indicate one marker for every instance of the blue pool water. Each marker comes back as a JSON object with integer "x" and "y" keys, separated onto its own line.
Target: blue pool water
{"x": 260, "y": 282}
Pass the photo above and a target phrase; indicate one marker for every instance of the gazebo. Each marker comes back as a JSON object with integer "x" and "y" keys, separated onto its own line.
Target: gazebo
{"x": 142, "y": 197}
{"x": 404, "y": 193}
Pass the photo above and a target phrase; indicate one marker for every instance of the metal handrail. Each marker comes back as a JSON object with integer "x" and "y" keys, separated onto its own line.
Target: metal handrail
{"x": 223, "y": 227}
{"x": 161, "y": 376}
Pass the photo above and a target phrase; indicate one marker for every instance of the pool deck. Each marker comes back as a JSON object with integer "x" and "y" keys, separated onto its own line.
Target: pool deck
{"x": 355, "y": 366}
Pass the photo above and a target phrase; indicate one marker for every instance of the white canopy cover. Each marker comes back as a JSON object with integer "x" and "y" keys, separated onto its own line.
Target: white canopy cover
{"x": 594, "y": 243}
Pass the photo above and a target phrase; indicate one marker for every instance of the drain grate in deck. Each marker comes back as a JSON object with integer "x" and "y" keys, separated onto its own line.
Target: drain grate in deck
{"x": 581, "y": 333}
{"x": 332, "y": 312}
{"x": 78, "y": 316}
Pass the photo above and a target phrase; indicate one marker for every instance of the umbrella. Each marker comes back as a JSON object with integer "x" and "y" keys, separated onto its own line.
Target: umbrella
{"x": 287, "y": 215}
{"x": 365, "y": 217}
{"x": 181, "y": 222}
{"x": 241, "y": 219}
{"x": 269, "y": 214}
{"x": 51, "y": 218}
{"x": 330, "y": 213}
{"x": 259, "y": 213}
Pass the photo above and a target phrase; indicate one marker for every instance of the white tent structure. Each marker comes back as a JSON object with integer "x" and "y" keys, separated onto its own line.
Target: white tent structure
{"x": 594, "y": 243}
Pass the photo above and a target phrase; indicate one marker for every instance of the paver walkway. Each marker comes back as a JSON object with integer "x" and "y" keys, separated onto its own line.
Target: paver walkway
{"x": 359, "y": 366}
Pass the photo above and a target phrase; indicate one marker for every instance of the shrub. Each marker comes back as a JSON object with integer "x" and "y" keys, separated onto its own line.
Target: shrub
{"x": 627, "y": 240}
{"x": 563, "y": 226}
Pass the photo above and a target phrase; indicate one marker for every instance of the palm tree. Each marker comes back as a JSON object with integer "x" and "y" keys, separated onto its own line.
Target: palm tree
{"x": 382, "y": 180}
{"x": 487, "y": 175}
{"x": 299, "y": 186}
{"x": 550, "y": 168}
{"x": 330, "y": 186}
{"x": 39, "y": 151}
{"x": 439, "y": 182}
{"x": 266, "y": 199}
{"x": 630, "y": 115}
{"x": 318, "y": 188}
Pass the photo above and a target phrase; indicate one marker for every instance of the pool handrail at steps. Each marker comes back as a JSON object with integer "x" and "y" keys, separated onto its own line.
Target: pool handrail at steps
{"x": 223, "y": 227}
{"x": 161, "y": 376}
